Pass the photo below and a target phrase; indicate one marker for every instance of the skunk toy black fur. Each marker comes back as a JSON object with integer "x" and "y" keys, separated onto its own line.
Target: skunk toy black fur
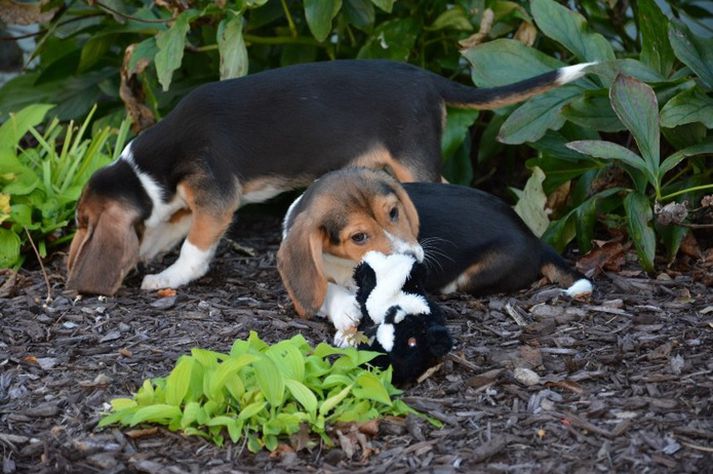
{"x": 398, "y": 319}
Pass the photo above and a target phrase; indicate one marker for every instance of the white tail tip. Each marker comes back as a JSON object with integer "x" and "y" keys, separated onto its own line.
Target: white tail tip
{"x": 572, "y": 73}
{"x": 579, "y": 289}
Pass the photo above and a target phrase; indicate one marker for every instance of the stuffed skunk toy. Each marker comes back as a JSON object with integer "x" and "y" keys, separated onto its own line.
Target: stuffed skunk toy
{"x": 397, "y": 317}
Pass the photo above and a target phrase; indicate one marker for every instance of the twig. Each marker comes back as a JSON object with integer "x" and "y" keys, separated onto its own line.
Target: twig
{"x": 43, "y": 31}
{"x": 129, "y": 17}
{"x": 42, "y": 266}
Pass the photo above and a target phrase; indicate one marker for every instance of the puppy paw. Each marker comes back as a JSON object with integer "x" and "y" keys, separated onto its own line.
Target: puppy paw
{"x": 349, "y": 337}
{"x": 347, "y": 316}
{"x": 156, "y": 282}
{"x": 581, "y": 289}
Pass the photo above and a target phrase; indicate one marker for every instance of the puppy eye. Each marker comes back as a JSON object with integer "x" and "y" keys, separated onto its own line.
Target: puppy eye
{"x": 412, "y": 342}
{"x": 394, "y": 214}
{"x": 360, "y": 238}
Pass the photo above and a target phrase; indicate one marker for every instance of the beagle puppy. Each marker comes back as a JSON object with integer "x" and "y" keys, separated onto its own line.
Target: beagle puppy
{"x": 249, "y": 139}
{"x": 469, "y": 241}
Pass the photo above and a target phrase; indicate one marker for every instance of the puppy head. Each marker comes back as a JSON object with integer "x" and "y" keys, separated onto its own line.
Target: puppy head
{"x": 106, "y": 245}
{"x": 344, "y": 214}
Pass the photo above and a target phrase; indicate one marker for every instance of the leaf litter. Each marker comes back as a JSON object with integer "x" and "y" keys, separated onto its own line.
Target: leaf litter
{"x": 625, "y": 379}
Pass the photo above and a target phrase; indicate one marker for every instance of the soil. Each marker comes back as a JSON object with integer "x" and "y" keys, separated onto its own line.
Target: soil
{"x": 536, "y": 382}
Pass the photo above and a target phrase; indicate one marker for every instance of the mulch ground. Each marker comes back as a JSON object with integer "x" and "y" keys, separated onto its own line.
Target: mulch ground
{"x": 536, "y": 382}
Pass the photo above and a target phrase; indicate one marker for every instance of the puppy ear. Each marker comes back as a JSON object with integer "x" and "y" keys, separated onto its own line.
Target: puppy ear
{"x": 409, "y": 209}
{"x": 103, "y": 253}
{"x": 299, "y": 261}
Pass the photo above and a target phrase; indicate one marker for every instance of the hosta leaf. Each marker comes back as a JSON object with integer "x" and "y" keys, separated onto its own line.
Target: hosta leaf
{"x": 570, "y": 29}
{"x": 231, "y": 47}
{"x": 688, "y": 107}
{"x": 251, "y": 410}
{"x": 370, "y": 387}
{"x": 270, "y": 380}
{"x": 636, "y": 106}
{"x": 228, "y": 369}
{"x": 612, "y": 151}
{"x": 608, "y": 71}
{"x": 9, "y": 248}
{"x": 13, "y": 129}
{"x": 289, "y": 360}
{"x": 530, "y": 121}
{"x": 334, "y": 400}
{"x": 593, "y": 111}
{"x": 178, "y": 381}
{"x": 504, "y": 61}
{"x": 693, "y": 51}
{"x": 302, "y": 394}
{"x": 639, "y": 215}
{"x": 160, "y": 413}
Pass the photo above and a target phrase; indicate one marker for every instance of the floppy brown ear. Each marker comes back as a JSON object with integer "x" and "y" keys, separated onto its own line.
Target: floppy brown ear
{"x": 102, "y": 254}
{"x": 299, "y": 261}
{"x": 409, "y": 209}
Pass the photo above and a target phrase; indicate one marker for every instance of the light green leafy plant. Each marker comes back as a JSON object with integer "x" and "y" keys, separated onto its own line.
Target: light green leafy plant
{"x": 42, "y": 172}
{"x": 262, "y": 392}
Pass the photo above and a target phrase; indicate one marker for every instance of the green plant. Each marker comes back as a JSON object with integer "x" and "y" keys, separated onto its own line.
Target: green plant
{"x": 262, "y": 392}
{"x": 41, "y": 177}
{"x": 618, "y": 102}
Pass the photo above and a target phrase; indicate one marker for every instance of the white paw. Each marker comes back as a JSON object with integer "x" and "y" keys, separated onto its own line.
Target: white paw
{"x": 156, "y": 282}
{"x": 347, "y": 316}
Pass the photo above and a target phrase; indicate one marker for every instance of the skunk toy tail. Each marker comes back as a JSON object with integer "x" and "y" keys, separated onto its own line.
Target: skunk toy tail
{"x": 558, "y": 271}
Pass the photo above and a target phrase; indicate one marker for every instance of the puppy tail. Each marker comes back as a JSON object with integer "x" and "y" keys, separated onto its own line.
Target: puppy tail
{"x": 557, "y": 270}
{"x": 461, "y": 96}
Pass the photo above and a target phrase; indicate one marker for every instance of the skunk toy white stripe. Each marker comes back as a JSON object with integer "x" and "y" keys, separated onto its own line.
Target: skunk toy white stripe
{"x": 397, "y": 317}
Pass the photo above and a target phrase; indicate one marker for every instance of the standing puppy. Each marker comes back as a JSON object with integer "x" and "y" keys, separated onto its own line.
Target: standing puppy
{"x": 246, "y": 140}
{"x": 469, "y": 241}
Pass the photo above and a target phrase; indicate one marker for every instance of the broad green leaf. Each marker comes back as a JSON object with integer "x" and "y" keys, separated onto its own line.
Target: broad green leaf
{"x": 170, "y": 44}
{"x": 531, "y": 204}
{"x": 302, "y": 394}
{"x": 609, "y": 70}
{"x": 146, "y": 394}
{"x": 586, "y": 214}
{"x": 270, "y": 380}
{"x": 385, "y": 5}
{"x": 560, "y": 232}
{"x": 231, "y": 47}
{"x": 336, "y": 379}
{"x": 360, "y": 13}
{"x": 93, "y": 50}
{"x": 331, "y": 402}
{"x": 458, "y": 122}
{"x": 656, "y": 50}
{"x": 369, "y": 386}
{"x": 674, "y": 159}
{"x": 178, "y": 381}
{"x": 192, "y": 413}
{"x": 639, "y": 215}
{"x": 19, "y": 123}
{"x": 159, "y": 413}
{"x": 251, "y": 410}
{"x": 530, "y": 121}
{"x": 288, "y": 359}
{"x": 122, "y": 404}
{"x": 505, "y": 61}
{"x": 693, "y": 51}
{"x": 571, "y": 30}
{"x": 392, "y": 39}
{"x": 319, "y": 14}
{"x": 687, "y": 107}
{"x": 228, "y": 369}
{"x": 9, "y": 248}
{"x": 593, "y": 111}
{"x": 672, "y": 236}
{"x": 612, "y": 151}
{"x": 454, "y": 18}
{"x": 233, "y": 426}
{"x": 206, "y": 358}
{"x": 143, "y": 53}
{"x": 636, "y": 106}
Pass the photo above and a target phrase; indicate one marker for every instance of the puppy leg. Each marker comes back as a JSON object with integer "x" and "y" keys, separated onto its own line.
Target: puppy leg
{"x": 164, "y": 237}
{"x": 211, "y": 216}
{"x": 341, "y": 308}
{"x": 494, "y": 273}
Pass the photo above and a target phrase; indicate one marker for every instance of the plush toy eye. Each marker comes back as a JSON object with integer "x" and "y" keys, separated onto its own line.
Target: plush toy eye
{"x": 412, "y": 342}
{"x": 360, "y": 238}
{"x": 394, "y": 214}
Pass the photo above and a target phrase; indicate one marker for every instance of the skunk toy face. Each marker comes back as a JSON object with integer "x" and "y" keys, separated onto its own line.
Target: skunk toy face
{"x": 397, "y": 318}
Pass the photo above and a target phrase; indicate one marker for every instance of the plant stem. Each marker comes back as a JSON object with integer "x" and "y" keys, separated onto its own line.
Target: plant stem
{"x": 282, "y": 40}
{"x": 42, "y": 266}
{"x": 687, "y": 190}
{"x": 290, "y": 21}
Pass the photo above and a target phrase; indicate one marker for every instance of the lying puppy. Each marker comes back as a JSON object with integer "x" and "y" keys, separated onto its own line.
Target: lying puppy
{"x": 469, "y": 240}
{"x": 246, "y": 140}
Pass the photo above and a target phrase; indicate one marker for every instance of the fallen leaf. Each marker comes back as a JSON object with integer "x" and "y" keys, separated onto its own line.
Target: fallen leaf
{"x": 141, "y": 433}
{"x": 526, "y": 377}
{"x": 125, "y": 352}
{"x": 690, "y": 246}
{"x": 609, "y": 256}
{"x": 30, "y": 359}
{"x": 541, "y": 433}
